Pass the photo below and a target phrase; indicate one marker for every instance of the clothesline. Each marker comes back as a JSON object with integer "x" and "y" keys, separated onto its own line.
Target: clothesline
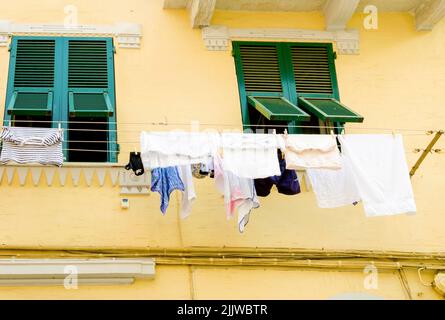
{"x": 209, "y": 124}
{"x": 120, "y": 151}
{"x": 137, "y": 142}
{"x": 307, "y": 127}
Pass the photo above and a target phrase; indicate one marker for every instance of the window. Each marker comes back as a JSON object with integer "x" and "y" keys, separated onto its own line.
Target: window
{"x": 69, "y": 81}
{"x": 289, "y": 84}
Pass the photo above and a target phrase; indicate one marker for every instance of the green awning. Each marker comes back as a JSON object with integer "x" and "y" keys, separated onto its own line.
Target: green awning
{"x": 33, "y": 103}
{"x": 92, "y": 104}
{"x": 278, "y": 108}
{"x": 329, "y": 109}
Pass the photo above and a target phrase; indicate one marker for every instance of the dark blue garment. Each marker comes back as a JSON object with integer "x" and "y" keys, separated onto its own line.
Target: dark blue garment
{"x": 287, "y": 183}
{"x": 165, "y": 181}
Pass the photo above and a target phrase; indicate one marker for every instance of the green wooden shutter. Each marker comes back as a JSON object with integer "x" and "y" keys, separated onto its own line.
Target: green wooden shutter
{"x": 90, "y": 78}
{"x": 314, "y": 70}
{"x": 90, "y": 88}
{"x": 315, "y": 83}
{"x": 261, "y": 68}
{"x": 262, "y": 81}
{"x": 31, "y": 82}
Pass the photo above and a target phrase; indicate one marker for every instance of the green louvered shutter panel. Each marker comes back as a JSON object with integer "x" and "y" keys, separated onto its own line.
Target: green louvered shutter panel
{"x": 316, "y": 83}
{"x": 90, "y": 77}
{"x": 32, "y": 77}
{"x": 262, "y": 77}
{"x": 314, "y": 70}
{"x": 261, "y": 68}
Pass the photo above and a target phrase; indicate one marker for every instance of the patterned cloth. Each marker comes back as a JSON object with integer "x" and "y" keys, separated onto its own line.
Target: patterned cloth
{"x": 165, "y": 181}
{"x": 32, "y": 145}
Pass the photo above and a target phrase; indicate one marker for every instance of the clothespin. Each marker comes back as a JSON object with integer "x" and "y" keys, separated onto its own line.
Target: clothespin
{"x": 332, "y": 133}
{"x": 393, "y": 134}
{"x": 9, "y": 123}
{"x": 59, "y": 125}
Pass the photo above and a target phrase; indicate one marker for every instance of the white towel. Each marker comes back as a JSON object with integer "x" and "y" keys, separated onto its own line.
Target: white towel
{"x": 252, "y": 156}
{"x": 177, "y": 148}
{"x": 305, "y": 151}
{"x": 334, "y": 188}
{"x": 188, "y": 195}
{"x": 32, "y": 145}
{"x": 381, "y": 173}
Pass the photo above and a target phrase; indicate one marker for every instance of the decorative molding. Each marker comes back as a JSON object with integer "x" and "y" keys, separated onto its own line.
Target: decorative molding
{"x": 216, "y": 38}
{"x": 114, "y": 175}
{"x": 429, "y": 13}
{"x": 36, "y": 174}
{"x": 49, "y": 174}
{"x": 201, "y": 12}
{"x": 132, "y": 184}
{"x": 128, "y": 35}
{"x": 10, "y": 174}
{"x": 175, "y": 4}
{"x": 27, "y": 272}
{"x": 338, "y": 13}
{"x": 88, "y": 173}
{"x": 129, "y": 183}
{"x": 63, "y": 172}
{"x": 22, "y": 173}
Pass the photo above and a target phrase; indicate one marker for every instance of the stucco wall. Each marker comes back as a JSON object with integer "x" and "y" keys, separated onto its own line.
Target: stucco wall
{"x": 395, "y": 82}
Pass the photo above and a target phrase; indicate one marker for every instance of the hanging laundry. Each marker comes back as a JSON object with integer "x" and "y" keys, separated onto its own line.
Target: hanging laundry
{"x": 135, "y": 164}
{"x": 305, "y": 151}
{"x": 381, "y": 173}
{"x": 188, "y": 195}
{"x": 165, "y": 181}
{"x": 239, "y": 193}
{"x": 334, "y": 188}
{"x": 202, "y": 170}
{"x": 32, "y": 145}
{"x": 251, "y": 156}
{"x": 177, "y": 148}
{"x": 197, "y": 172}
{"x": 287, "y": 183}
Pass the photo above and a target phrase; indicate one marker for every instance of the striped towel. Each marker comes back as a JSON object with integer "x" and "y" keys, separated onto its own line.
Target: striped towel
{"x": 32, "y": 145}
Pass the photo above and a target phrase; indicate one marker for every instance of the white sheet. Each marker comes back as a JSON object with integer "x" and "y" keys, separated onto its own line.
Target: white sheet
{"x": 381, "y": 173}
{"x": 334, "y": 188}
{"x": 189, "y": 194}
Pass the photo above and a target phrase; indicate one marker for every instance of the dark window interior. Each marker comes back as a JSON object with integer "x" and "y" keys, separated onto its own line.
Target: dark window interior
{"x": 31, "y": 121}
{"x": 91, "y": 136}
{"x": 262, "y": 124}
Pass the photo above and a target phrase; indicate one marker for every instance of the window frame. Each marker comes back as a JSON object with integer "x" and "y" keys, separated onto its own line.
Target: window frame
{"x": 60, "y": 97}
{"x": 289, "y": 88}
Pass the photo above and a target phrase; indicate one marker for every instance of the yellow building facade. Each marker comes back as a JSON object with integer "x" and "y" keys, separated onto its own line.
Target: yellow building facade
{"x": 169, "y": 75}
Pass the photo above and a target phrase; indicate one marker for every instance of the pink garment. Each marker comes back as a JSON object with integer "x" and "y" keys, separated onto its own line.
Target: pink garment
{"x": 239, "y": 194}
